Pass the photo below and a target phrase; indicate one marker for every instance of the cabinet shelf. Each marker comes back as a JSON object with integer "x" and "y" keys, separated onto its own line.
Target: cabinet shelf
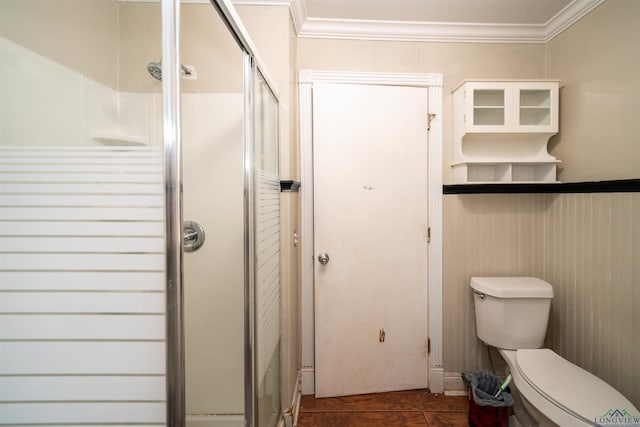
{"x": 510, "y": 161}
{"x": 501, "y": 131}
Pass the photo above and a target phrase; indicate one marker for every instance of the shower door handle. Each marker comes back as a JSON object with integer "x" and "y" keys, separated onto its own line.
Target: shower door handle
{"x": 323, "y": 259}
{"x": 192, "y": 236}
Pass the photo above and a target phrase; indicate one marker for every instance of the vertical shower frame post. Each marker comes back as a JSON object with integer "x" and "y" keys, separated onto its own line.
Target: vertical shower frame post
{"x": 175, "y": 358}
{"x": 250, "y": 381}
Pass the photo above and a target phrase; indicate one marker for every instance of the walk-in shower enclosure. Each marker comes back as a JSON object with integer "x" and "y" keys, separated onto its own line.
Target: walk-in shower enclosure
{"x": 121, "y": 121}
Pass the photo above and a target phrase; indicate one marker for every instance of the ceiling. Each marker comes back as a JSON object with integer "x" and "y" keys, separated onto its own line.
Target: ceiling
{"x": 525, "y": 21}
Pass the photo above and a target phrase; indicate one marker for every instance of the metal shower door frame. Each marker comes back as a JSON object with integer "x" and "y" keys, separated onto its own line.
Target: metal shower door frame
{"x": 175, "y": 353}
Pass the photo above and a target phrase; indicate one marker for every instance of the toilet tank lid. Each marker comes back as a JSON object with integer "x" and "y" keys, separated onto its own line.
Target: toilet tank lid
{"x": 512, "y": 287}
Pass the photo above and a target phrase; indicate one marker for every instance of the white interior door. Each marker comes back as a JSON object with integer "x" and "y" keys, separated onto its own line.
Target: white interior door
{"x": 370, "y": 204}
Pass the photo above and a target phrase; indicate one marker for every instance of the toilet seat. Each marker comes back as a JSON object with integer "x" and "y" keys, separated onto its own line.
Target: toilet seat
{"x": 568, "y": 386}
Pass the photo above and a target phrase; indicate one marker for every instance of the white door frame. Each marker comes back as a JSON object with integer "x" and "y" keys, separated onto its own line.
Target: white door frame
{"x": 433, "y": 83}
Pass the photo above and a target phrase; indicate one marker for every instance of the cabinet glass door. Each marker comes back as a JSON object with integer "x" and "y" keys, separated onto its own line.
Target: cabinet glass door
{"x": 488, "y": 107}
{"x": 535, "y": 107}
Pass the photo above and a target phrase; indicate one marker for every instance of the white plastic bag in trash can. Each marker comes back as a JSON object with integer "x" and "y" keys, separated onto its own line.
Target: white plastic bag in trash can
{"x": 484, "y": 387}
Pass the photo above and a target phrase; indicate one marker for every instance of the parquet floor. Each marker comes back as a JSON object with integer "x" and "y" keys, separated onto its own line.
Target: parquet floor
{"x": 414, "y": 408}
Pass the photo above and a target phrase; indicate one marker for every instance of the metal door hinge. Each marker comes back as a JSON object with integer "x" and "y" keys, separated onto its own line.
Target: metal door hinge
{"x": 428, "y": 345}
{"x": 428, "y": 234}
{"x": 430, "y": 117}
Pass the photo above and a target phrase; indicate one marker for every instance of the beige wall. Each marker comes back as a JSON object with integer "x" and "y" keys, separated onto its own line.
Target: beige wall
{"x": 598, "y": 59}
{"x": 79, "y": 34}
{"x": 456, "y": 61}
{"x": 140, "y": 43}
{"x": 205, "y": 42}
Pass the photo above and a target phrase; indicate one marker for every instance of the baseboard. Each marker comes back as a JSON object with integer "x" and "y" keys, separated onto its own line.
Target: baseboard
{"x": 436, "y": 379}
{"x": 308, "y": 377}
{"x": 454, "y": 385}
{"x": 439, "y": 381}
{"x": 215, "y": 420}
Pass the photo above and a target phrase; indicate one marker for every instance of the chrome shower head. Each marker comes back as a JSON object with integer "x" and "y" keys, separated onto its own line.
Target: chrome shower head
{"x": 155, "y": 69}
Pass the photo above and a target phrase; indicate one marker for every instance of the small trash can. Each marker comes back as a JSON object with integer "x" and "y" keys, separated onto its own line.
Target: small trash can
{"x": 486, "y": 410}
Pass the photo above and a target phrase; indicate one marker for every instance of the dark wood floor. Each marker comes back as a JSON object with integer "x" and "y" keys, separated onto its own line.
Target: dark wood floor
{"x": 415, "y": 408}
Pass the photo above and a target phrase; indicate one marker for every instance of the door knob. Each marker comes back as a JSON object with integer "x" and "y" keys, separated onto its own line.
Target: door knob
{"x": 324, "y": 259}
{"x": 193, "y": 236}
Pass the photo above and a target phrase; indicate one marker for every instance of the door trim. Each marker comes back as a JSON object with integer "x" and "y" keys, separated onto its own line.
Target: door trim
{"x": 433, "y": 83}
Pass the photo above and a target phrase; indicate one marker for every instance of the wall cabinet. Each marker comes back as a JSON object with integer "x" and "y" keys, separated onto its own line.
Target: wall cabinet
{"x": 501, "y": 131}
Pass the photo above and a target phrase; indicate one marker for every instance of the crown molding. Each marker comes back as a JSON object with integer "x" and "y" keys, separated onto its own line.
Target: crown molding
{"x": 438, "y": 31}
{"x": 358, "y": 77}
{"x": 421, "y": 31}
{"x": 249, "y": 2}
{"x": 298, "y": 14}
{"x": 262, "y": 2}
{"x": 568, "y": 16}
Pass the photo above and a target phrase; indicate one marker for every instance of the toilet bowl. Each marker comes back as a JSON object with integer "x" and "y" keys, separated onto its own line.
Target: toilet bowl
{"x": 512, "y": 315}
{"x": 557, "y": 392}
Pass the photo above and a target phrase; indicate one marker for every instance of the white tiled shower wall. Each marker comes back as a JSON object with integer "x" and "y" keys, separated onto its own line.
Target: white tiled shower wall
{"x": 53, "y": 105}
{"x": 81, "y": 260}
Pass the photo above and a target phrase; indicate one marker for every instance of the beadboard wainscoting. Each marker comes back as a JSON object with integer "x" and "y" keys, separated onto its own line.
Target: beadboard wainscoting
{"x": 484, "y": 235}
{"x": 586, "y": 245}
{"x": 592, "y": 258}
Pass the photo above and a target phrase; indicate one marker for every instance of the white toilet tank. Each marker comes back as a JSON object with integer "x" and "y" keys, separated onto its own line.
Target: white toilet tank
{"x": 511, "y": 312}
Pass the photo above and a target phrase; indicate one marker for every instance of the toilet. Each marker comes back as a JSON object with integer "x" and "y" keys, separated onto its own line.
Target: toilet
{"x": 512, "y": 315}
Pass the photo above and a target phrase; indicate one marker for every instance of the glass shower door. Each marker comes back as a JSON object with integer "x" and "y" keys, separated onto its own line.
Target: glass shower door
{"x": 267, "y": 229}
{"x": 82, "y": 273}
{"x": 213, "y": 150}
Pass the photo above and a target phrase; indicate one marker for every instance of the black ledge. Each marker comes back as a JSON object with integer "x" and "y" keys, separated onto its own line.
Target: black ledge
{"x": 616, "y": 186}
{"x": 289, "y": 185}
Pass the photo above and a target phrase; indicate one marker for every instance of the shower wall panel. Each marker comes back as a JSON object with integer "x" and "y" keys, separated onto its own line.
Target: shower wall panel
{"x": 46, "y": 103}
{"x": 82, "y": 318}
